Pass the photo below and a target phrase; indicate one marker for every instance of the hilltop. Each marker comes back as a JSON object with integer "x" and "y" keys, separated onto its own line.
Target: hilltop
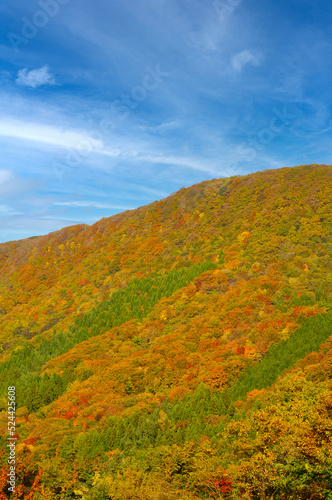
{"x": 179, "y": 350}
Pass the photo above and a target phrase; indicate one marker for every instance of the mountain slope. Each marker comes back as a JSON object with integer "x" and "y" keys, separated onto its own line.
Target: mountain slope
{"x": 132, "y": 341}
{"x": 75, "y": 267}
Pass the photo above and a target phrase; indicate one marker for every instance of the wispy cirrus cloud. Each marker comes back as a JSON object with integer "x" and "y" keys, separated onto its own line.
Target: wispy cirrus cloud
{"x": 130, "y": 148}
{"x": 5, "y": 175}
{"x": 46, "y": 134}
{"x": 91, "y": 204}
{"x": 12, "y": 185}
{"x": 217, "y": 96}
{"x": 7, "y": 210}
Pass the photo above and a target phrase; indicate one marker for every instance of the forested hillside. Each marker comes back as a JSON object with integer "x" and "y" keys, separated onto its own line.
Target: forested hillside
{"x": 182, "y": 350}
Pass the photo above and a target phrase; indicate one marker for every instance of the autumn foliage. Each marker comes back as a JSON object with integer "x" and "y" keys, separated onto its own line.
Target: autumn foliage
{"x": 182, "y": 350}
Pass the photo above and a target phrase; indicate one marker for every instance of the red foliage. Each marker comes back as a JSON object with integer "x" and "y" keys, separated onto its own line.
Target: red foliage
{"x": 198, "y": 285}
{"x": 31, "y": 440}
{"x": 223, "y": 485}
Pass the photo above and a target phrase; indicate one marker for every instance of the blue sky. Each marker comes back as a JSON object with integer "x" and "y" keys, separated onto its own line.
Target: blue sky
{"x": 109, "y": 105}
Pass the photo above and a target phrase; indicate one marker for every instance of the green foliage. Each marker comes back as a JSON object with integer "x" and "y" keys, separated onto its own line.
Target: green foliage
{"x": 135, "y": 301}
{"x": 284, "y": 355}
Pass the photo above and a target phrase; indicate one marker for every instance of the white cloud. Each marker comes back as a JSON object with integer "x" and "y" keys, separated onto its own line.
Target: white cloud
{"x": 35, "y": 77}
{"x": 168, "y": 125}
{"x": 82, "y": 142}
{"x": 193, "y": 163}
{"x": 5, "y": 175}
{"x": 6, "y": 210}
{"x": 12, "y": 184}
{"x": 241, "y": 59}
{"x": 90, "y": 204}
{"x": 48, "y": 134}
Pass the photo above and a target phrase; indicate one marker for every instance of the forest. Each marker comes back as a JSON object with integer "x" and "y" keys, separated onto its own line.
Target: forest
{"x": 179, "y": 351}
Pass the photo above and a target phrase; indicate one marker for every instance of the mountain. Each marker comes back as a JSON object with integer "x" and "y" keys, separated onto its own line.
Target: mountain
{"x": 182, "y": 350}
